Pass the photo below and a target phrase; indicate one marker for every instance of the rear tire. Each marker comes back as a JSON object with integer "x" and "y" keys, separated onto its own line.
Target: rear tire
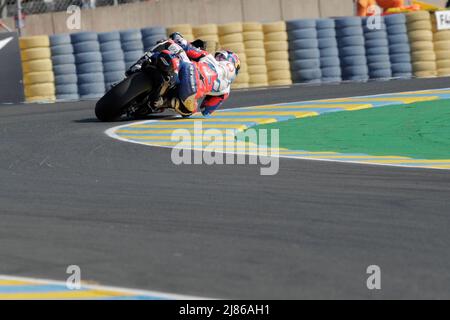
{"x": 115, "y": 102}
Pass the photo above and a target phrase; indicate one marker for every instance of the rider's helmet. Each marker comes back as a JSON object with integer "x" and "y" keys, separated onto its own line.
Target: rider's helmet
{"x": 226, "y": 55}
{"x": 179, "y": 39}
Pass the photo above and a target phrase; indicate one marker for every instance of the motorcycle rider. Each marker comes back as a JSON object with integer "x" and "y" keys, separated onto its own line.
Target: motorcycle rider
{"x": 197, "y": 74}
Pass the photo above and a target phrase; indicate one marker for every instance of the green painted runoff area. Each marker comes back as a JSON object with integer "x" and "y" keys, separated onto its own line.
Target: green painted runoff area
{"x": 419, "y": 130}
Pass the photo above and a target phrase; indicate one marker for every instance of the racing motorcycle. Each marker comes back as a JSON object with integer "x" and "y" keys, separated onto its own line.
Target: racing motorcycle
{"x": 145, "y": 90}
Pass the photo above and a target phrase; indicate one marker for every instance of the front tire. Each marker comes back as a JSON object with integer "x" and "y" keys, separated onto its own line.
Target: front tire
{"x": 116, "y": 101}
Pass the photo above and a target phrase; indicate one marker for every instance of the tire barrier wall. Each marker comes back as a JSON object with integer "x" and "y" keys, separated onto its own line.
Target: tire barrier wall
{"x": 441, "y": 41}
{"x": 113, "y": 57}
{"x": 64, "y": 68}
{"x": 132, "y": 46}
{"x": 399, "y": 48}
{"x": 185, "y": 29}
{"x": 89, "y": 65}
{"x": 421, "y": 41}
{"x": 277, "y": 53}
{"x": 38, "y": 77}
{"x": 304, "y": 51}
{"x": 231, "y": 38}
{"x": 208, "y": 33}
{"x": 352, "y": 51}
{"x": 330, "y": 64}
{"x": 254, "y": 47}
{"x": 150, "y": 36}
{"x": 377, "y": 49}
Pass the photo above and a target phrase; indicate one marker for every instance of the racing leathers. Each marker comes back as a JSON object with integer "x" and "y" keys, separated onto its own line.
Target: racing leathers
{"x": 199, "y": 75}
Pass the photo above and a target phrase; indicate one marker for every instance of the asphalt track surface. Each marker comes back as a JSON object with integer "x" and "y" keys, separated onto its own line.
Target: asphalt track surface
{"x": 128, "y": 217}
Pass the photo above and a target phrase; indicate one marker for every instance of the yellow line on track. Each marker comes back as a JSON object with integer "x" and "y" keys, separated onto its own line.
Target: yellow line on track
{"x": 358, "y": 107}
{"x": 343, "y": 156}
{"x": 237, "y": 119}
{"x": 151, "y": 131}
{"x": 15, "y": 283}
{"x": 403, "y": 100}
{"x": 159, "y": 125}
{"x": 425, "y": 92}
{"x": 269, "y": 113}
{"x": 75, "y": 294}
{"x": 305, "y": 152}
{"x": 125, "y": 132}
{"x": 315, "y": 106}
{"x": 243, "y": 120}
{"x": 192, "y": 138}
{"x": 194, "y": 144}
{"x": 409, "y": 160}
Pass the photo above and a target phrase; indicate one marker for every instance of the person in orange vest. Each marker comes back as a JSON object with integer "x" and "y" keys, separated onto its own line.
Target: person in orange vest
{"x": 364, "y": 5}
{"x": 387, "y": 4}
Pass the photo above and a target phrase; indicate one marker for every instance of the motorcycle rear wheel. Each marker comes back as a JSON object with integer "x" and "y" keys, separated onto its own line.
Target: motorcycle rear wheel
{"x": 116, "y": 101}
